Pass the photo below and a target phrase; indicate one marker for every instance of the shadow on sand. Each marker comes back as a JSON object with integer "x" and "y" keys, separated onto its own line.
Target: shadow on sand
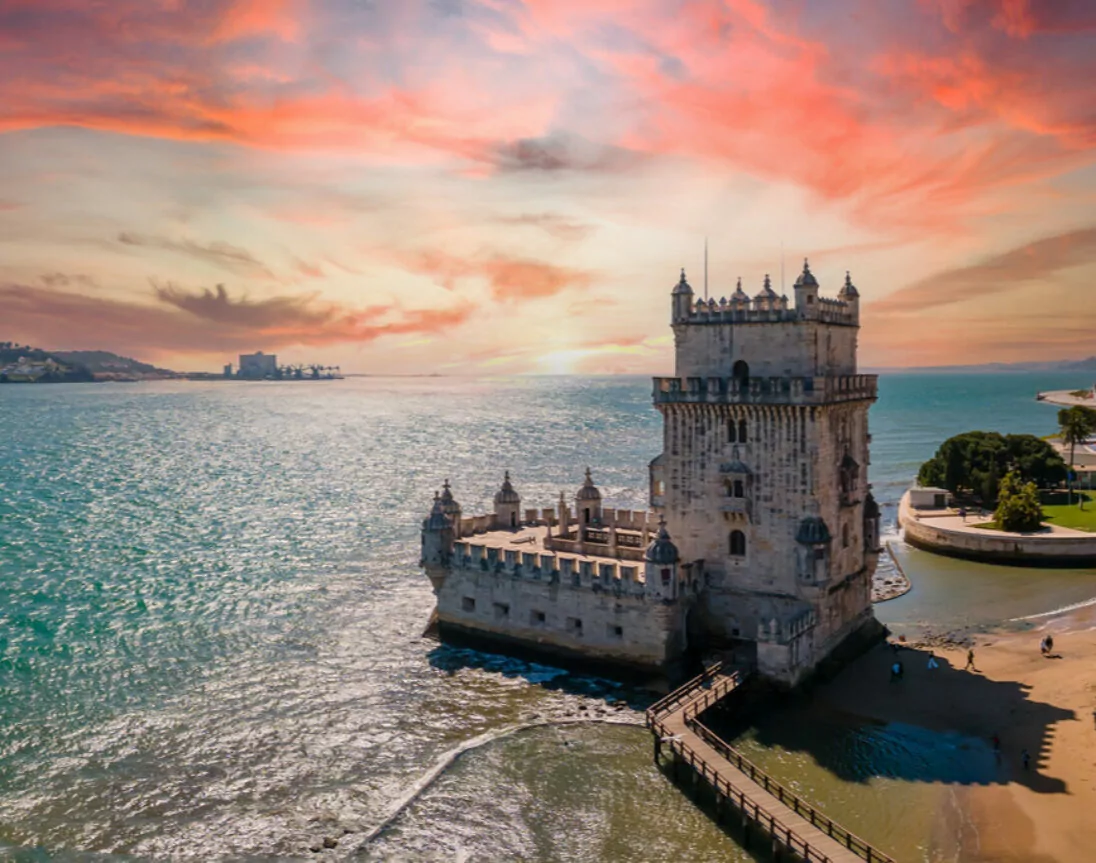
{"x": 932, "y": 725}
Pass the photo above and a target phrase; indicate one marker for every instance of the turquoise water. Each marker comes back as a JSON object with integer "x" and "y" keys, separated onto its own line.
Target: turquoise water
{"x": 210, "y": 611}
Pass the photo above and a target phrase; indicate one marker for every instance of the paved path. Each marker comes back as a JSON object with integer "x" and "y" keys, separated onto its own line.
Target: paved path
{"x": 952, "y": 521}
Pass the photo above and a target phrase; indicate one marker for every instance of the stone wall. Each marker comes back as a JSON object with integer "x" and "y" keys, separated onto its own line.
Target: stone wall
{"x": 792, "y": 348}
{"x": 794, "y": 455}
{"x": 616, "y": 625}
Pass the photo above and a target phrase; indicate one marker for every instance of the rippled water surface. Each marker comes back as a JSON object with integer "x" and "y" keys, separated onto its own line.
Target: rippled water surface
{"x": 210, "y": 619}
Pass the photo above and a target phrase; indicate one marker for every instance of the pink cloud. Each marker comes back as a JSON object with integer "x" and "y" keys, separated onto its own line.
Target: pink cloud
{"x": 509, "y": 278}
{"x": 182, "y": 321}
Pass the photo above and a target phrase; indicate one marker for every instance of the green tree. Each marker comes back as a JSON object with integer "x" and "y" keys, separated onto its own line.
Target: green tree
{"x": 1018, "y": 508}
{"x": 975, "y": 461}
{"x": 989, "y": 489}
{"x": 1076, "y": 425}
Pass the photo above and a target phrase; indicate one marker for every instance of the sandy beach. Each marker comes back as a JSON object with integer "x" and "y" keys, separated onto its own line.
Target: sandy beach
{"x": 1043, "y": 814}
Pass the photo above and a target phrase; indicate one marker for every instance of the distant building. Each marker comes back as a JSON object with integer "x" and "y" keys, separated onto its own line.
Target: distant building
{"x": 930, "y": 498}
{"x": 228, "y": 370}
{"x": 258, "y": 365}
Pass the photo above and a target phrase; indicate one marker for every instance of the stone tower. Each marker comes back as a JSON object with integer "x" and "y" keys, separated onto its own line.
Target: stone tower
{"x": 762, "y": 480}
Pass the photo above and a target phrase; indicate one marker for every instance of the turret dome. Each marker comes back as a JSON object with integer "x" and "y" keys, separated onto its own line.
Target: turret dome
{"x": 740, "y": 296}
{"x": 589, "y": 491}
{"x": 437, "y": 520}
{"x": 813, "y": 531}
{"x": 449, "y": 506}
{"x": 767, "y": 292}
{"x": 848, "y": 290}
{"x": 662, "y": 551}
{"x": 806, "y": 278}
{"x": 506, "y": 494}
{"x": 682, "y": 287}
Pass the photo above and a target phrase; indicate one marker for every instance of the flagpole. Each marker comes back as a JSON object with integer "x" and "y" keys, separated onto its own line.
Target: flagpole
{"x": 705, "y": 269}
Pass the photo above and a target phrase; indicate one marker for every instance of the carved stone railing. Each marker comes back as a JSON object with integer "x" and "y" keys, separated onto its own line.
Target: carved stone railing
{"x": 770, "y": 390}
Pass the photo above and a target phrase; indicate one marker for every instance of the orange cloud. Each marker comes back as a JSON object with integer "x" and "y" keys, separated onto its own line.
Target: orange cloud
{"x": 205, "y": 321}
{"x": 509, "y": 278}
{"x": 245, "y": 18}
{"x": 1032, "y": 262}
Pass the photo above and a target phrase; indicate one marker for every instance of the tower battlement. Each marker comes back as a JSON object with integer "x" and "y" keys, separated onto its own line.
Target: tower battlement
{"x": 767, "y": 533}
{"x": 766, "y": 336}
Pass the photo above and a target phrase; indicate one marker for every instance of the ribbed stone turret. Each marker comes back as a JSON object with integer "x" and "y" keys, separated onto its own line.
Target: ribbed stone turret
{"x": 507, "y": 504}
{"x": 588, "y": 502}
{"x": 662, "y": 551}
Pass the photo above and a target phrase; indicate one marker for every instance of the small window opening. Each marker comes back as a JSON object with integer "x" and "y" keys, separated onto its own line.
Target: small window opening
{"x": 467, "y": 604}
{"x": 537, "y": 617}
{"x": 737, "y": 544}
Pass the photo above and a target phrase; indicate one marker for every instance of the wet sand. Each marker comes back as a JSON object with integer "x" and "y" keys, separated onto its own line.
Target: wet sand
{"x": 1045, "y": 705}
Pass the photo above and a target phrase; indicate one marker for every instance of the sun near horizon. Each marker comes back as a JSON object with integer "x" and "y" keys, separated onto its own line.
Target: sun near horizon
{"x": 512, "y": 187}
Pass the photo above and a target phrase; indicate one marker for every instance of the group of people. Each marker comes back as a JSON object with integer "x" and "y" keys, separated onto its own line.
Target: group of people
{"x": 898, "y": 671}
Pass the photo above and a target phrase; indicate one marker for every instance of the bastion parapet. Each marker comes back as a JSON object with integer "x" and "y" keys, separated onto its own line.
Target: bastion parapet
{"x": 762, "y": 534}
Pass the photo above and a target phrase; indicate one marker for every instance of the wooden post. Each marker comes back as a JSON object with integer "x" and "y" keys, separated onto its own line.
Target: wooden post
{"x": 658, "y": 747}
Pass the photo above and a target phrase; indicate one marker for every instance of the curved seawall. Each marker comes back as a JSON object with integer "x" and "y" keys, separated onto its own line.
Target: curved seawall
{"x": 942, "y": 532}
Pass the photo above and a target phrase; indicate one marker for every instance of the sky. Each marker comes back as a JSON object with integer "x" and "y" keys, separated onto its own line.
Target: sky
{"x": 511, "y": 186}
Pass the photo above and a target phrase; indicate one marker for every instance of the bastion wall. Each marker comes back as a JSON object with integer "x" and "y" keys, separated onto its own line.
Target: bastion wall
{"x": 606, "y": 616}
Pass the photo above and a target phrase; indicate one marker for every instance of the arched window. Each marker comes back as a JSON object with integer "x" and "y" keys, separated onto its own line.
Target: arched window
{"x": 741, "y": 372}
{"x": 738, "y": 544}
{"x": 742, "y": 431}
{"x": 739, "y": 489}
{"x": 731, "y": 438}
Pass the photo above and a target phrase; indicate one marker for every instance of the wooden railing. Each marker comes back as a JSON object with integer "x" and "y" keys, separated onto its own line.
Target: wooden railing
{"x": 693, "y": 699}
{"x": 800, "y": 807}
{"x": 668, "y": 703}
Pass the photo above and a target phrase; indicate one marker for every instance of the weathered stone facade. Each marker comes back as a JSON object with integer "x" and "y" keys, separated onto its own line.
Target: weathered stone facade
{"x": 762, "y": 485}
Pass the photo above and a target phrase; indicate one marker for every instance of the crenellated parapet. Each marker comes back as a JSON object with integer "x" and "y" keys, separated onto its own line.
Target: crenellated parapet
{"x": 768, "y": 307}
{"x": 769, "y": 390}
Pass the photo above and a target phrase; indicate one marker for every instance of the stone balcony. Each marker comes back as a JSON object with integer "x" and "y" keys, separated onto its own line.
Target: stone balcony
{"x": 766, "y": 391}
{"x": 737, "y": 505}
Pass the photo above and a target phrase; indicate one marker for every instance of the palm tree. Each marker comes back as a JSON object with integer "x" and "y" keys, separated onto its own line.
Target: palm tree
{"x": 1076, "y": 425}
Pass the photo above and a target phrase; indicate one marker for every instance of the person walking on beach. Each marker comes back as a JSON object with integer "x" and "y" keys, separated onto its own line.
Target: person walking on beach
{"x": 970, "y": 661}
{"x": 1043, "y": 649}
{"x": 932, "y": 660}
{"x": 1050, "y": 644}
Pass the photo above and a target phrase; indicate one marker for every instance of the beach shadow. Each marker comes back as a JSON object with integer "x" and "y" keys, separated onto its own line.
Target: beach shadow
{"x": 933, "y": 725}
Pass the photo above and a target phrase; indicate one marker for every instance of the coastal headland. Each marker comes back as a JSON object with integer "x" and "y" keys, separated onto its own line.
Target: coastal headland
{"x": 1068, "y": 398}
{"x": 1045, "y": 706}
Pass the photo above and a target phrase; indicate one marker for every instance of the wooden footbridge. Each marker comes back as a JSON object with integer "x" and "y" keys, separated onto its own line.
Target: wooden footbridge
{"x": 796, "y": 829}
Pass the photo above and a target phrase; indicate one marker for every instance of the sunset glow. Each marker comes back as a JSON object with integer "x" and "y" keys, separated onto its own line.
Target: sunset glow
{"x": 496, "y": 185}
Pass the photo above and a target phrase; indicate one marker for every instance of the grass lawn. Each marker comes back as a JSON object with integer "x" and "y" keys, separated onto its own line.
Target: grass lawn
{"x": 1062, "y": 514}
{"x": 1072, "y": 516}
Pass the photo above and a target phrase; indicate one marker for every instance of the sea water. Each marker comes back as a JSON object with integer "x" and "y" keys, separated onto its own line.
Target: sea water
{"x": 211, "y": 617}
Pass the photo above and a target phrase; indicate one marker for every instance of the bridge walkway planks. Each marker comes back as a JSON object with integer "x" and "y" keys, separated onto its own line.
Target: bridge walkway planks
{"x": 793, "y": 825}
